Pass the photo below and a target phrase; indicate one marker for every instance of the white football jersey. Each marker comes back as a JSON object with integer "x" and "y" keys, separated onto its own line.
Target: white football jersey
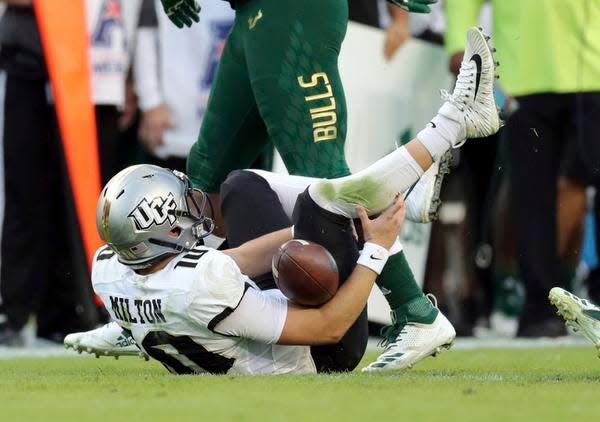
{"x": 172, "y": 315}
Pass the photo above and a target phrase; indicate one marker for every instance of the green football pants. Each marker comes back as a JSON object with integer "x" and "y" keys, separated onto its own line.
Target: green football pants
{"x": 277, "y": 81}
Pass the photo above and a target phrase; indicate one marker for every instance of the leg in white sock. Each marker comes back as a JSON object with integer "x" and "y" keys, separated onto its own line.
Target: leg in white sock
{"x": 374, "y": 187}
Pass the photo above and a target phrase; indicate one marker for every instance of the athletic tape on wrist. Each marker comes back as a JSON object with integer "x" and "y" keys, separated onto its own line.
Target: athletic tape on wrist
{"x": 373, "y": 257}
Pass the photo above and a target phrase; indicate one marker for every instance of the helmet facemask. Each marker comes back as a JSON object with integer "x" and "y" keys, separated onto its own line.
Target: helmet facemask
{"x": 196, "y": 205}
{"x": 193, "y": 218}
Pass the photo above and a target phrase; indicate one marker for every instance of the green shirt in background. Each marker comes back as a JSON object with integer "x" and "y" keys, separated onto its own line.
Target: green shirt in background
{"x": 544, "y": 46}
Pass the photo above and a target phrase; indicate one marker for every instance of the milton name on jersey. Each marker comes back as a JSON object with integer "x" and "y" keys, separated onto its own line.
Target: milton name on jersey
{"x": 172, "y": 315}
{"x": 147, "y": 311}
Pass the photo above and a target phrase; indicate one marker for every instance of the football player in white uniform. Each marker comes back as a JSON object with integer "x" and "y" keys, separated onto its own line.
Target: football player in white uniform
{"x": 198, "y": 310}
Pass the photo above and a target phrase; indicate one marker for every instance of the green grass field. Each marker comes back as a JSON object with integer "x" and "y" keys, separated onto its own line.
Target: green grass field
{"x": 476, "y": 385}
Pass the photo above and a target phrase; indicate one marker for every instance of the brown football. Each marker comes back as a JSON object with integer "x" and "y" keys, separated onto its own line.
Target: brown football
{"x": 305, "y": 272}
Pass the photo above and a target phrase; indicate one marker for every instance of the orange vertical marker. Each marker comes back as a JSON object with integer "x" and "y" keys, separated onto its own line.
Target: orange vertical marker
{"x": 63, "y": 30}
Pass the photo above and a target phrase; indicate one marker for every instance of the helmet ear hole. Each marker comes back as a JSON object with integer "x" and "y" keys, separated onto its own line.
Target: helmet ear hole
{"x": 175, "y": 232}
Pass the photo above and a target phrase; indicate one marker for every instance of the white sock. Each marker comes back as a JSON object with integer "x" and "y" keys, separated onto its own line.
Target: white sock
{"x": 375, "y": 187}
{"x": 439, "y": 137}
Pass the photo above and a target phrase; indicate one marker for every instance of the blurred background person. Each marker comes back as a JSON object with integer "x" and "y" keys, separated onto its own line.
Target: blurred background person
{"x": 173, "y": 72}
{"x": 385, "y": 15}
{"x": 112, "y": 31}
{"x": 457, "y": 272}
{"x": 554, "y": 76}
{"x": 481, "y": 177}
{"x": 43, "y": 270}
{"x": 459, "y": 280}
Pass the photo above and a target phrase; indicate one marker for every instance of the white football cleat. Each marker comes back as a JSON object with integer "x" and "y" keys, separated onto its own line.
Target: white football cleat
{"x": 108, "y": 340}
{"x": 423, "y": 199}
{"x": 472, "y": 103}
{"x": 414, "y": 343}
{"x": 579, "y": 314}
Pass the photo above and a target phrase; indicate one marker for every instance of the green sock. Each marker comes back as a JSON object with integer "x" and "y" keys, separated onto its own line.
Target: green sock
{"x": 566, "y": 275}
{"x": 509, "y": 292}
{"x": 403, "y": 294}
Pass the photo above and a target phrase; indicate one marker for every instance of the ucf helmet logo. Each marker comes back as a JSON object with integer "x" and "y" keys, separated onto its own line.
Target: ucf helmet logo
{"x": 155, "y": 212}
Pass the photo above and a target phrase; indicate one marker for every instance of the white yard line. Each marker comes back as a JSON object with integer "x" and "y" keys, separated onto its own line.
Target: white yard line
{"x": 36, "y": 352}
{"x": 45, "y": 349}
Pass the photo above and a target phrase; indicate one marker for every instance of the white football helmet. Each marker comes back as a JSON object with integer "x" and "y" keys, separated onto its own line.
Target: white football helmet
{"x": 146, "y": 213}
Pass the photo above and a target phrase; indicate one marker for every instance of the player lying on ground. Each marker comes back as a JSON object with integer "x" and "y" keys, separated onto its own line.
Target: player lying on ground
{"x": 278, "y": 83}
{"x": 195, "y": 309}
{"x": 198, "y": 310}
{"x": 280, "y": 63}
{"x": 580, "y": 314}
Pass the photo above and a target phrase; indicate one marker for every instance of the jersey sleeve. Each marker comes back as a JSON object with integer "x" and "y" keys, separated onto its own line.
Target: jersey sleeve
{"x": 218, "y": 287}
{"x": 260, "y": 316}
{"x": 103, "y": 257}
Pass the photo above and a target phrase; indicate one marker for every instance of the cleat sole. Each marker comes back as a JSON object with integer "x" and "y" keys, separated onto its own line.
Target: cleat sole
{"x": 444, "y": 169}
{"x": 98, "y": 353}
{"x": 570, "y": 310}
{"x": 434, "y": 353}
